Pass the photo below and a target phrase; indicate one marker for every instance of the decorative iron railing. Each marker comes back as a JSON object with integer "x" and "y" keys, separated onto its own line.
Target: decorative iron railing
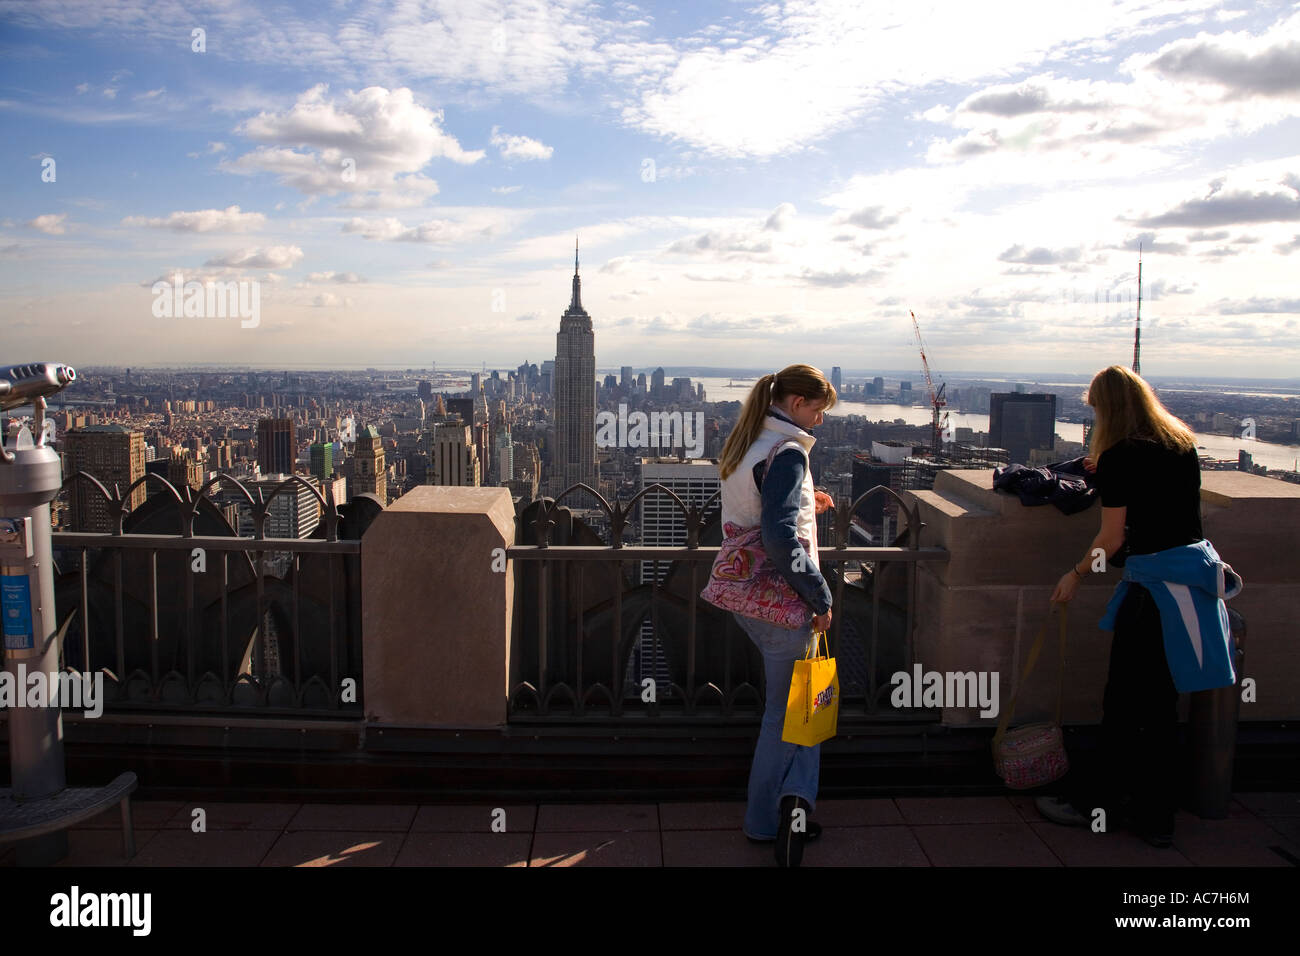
{"x": 573, "y": 661}
{"x": 187, "y": 622}
{"x": 199, "y": 623}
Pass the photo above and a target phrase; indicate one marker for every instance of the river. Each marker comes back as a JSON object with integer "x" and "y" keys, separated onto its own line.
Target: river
{"x": 1281, "y": 457}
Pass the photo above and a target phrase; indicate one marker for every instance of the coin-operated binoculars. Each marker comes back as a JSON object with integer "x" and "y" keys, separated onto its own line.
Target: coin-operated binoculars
{"x": 30, "y": 478}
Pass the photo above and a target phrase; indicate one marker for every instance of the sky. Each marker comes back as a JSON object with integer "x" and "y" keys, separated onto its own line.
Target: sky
{"x": 751, "y": 184}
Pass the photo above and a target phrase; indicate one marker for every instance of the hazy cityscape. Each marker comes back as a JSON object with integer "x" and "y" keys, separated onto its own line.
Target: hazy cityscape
{"x": 366, "y": 370}
{"x": 497, "y": 426}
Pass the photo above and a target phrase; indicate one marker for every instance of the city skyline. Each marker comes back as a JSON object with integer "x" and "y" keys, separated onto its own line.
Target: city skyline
{"x": 758, "y": 181}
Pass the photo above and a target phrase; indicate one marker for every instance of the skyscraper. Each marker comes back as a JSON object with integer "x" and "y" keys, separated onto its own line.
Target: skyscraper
{"x": 322, "y": 460}
{"x": 505, "y": 455}
{"x": 276, "y": 448}
{"x": 115, "y": 455}
{"x": 294, "y": 512}
{"x": 464, "y": 407}
{"x": 1022, "y": 422}
{"x": 185, "y": 469}
{"x": 693, "y": 480}
{"x": 453, "y": 459}
{"x": 575, "y": 394}
{"x": 369, "y": 472}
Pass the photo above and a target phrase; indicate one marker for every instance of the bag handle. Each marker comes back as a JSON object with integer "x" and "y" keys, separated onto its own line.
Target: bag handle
{"x": 813, "y": 647}
{"x": 1005, "y": 720}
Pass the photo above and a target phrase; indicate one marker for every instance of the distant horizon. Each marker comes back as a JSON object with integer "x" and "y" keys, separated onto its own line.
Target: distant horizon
{"x": 692, "y": 371}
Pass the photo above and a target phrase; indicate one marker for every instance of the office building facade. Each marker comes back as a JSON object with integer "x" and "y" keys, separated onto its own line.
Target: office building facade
{"x": 369, "y": 473}
{"x": 1022, "y": 422}
{"x": 115, "y": 455}
{"x": 276, "y": 447}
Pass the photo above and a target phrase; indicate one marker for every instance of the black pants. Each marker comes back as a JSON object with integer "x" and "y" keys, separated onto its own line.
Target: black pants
{"x": 1139, "y": 725}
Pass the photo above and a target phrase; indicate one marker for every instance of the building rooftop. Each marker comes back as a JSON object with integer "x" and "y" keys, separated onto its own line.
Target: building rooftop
{"x": 104, "y": 429}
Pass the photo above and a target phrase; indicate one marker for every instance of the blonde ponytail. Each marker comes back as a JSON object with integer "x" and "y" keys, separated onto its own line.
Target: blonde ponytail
{"x": 802, "y": 380}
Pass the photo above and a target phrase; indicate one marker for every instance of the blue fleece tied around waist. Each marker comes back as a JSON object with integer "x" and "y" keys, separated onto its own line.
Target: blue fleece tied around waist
{"x": 1189, "y": 584}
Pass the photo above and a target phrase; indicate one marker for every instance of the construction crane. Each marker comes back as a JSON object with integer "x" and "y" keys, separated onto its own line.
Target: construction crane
{"x": 937, "y": 401}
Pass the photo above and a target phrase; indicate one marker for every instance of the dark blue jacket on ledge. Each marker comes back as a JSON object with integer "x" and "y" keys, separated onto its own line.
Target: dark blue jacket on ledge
{"x": 1066, "y": 484}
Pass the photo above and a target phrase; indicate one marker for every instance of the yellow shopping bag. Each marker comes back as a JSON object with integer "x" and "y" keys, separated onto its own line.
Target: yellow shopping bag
{"x": 813, "y": 708}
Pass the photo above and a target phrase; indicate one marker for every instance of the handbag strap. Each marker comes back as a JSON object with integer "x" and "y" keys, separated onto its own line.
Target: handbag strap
{"x": 814, "y": 645}
{"x": 773, "y": 452}
{"x": 1005, "y": 720}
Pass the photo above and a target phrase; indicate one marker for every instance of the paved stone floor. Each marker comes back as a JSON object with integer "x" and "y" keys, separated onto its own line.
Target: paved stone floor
{"x": 905, "y": 831}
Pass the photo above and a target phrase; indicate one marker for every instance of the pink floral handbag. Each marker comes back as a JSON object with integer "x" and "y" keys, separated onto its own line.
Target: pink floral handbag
{"x": 744, "y": 580}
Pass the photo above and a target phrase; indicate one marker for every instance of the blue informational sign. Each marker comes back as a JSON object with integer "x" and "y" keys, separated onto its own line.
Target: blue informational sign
{"x": 16, "y": 612}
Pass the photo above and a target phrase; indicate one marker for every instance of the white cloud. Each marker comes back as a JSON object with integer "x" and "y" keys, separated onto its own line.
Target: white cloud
{"x": 213, "y": 147}
{"x": 229, "y": 219}
{"x": 461, "y": 224}
{"x": 1256, "y": 305}
{"x": 1186, "y": 91}
{"x": 519, "y": 147}
{"x": 781, "y": 217}
{"x": 187, "y": 274}
{"x": 1242, "y": 64}
{"x": 339, "y": 277}
{"x": 1249, "y": 203}
{"x": 269, "y": 257}
{"x": 553, "y": 245}
{"x": 869, "y": 217}
{"x": 370, "y": 145}
{"x": 512, "y": 48}
{"x": 769, "y": 79}
{"x": 810, "y": 70}
{"x": 52, "y": 224}
{"x": 1040, "y": 256}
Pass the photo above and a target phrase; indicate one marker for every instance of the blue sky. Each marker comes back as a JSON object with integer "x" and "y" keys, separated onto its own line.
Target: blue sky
{"x": 752, "y": 183}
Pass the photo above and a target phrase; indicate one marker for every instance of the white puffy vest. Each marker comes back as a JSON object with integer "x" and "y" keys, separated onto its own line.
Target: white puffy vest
{"x": 741, "y": 502}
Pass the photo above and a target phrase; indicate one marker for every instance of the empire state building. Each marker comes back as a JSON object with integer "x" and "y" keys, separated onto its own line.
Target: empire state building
{"x": 575, "y": 397}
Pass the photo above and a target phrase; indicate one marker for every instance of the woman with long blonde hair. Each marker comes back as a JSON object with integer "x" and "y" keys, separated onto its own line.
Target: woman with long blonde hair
{"x": 1169, "y": 604}
{"x": 781, "y": 407}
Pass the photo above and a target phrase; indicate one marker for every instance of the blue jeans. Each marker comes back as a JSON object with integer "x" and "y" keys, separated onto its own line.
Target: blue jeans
{"x": 779, "y": 769}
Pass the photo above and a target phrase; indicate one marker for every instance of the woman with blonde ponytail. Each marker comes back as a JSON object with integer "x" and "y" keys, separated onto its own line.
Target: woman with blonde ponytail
{"x": 781, "y": 407}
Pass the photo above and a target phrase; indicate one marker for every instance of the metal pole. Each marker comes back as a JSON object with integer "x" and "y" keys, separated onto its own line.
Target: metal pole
{"x": 30, "y": 478}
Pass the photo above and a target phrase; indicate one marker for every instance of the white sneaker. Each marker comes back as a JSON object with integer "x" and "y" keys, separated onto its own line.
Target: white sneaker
{"x": 1060, "y": 810}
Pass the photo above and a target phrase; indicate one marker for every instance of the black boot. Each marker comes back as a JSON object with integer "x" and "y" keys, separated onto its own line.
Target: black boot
{"x": 789, "y": 837}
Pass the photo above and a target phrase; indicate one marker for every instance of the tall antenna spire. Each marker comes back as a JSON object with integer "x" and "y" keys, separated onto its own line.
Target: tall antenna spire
{"x": 575, "y": 304}
{"x": 1137, "y": 331}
